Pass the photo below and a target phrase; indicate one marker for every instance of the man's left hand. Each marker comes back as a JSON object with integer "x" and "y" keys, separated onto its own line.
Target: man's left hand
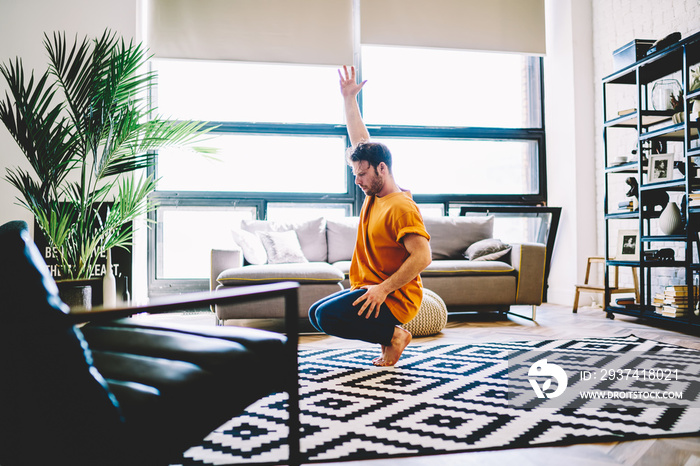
{"x": 373, "y": 299}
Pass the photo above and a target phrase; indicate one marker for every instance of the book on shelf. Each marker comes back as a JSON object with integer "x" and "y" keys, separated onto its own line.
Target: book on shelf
{"x": 674, "y": 312}
{"x": 626, "y": 111}
{"x": 676, "y": 290}
{"x": 626, "y": 205}
{"x": 694, "y": 200}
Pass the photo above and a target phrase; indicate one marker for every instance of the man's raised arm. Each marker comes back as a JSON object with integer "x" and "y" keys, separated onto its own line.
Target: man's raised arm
{"x": 349, "y": 88}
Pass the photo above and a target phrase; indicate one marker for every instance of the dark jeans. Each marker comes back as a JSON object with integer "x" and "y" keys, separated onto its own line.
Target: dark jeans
{"x": 335, "y": 315}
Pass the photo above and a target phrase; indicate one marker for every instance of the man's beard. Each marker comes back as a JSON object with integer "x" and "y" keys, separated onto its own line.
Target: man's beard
{"x": 375, "y": 187}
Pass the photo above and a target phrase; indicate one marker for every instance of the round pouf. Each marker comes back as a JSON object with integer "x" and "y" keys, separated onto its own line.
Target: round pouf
{"x": 431, "y": 317}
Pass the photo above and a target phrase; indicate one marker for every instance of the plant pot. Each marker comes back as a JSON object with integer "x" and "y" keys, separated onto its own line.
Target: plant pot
{"x": 75, "y": 293}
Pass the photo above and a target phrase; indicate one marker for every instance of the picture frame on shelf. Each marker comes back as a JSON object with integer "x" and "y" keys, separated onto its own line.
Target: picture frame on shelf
{"x": 660, "y": 168}
{"x": 627, "y": 245}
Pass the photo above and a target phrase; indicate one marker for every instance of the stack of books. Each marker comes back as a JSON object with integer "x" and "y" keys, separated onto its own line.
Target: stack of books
{"x": 694, "y": 200}
{"x": 675, "y": 302}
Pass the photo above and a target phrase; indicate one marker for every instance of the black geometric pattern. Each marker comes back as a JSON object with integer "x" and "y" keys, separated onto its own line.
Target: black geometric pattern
{"x": 453, "y": 398}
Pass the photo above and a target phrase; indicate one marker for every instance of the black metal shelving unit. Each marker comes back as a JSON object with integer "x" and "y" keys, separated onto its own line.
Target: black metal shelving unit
{"x": 654, "y": 129}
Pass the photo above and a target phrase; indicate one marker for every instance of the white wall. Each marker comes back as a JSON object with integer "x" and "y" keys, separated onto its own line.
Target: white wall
{"x": 569, "y": 123}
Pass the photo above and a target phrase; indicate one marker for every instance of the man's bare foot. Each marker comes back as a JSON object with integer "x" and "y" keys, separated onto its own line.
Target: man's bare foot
{"x": 380, "y": 360}
{"x": 392, "y": 353}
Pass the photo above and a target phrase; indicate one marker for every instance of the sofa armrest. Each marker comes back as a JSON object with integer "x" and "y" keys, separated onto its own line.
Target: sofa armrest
{"x": 528, "y": 260}
{"x": 223, "y": 259}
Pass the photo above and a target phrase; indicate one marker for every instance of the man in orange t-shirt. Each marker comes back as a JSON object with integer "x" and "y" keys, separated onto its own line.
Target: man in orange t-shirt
{"x": 392, "y": 249}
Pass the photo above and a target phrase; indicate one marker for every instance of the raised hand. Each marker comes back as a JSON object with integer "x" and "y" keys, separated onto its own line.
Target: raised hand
{"x": 348, "y": 85}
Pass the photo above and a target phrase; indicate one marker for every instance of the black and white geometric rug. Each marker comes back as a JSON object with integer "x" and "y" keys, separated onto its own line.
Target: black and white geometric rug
{"x": 454, "y": 398}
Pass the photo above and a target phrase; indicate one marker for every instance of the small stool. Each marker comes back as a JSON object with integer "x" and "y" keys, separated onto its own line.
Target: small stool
{"x": 601, "y": 288}
{"x": 431, "y": 317}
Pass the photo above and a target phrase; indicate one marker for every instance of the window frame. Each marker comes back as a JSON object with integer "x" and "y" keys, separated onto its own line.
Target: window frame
{"x": 353, "y": 195}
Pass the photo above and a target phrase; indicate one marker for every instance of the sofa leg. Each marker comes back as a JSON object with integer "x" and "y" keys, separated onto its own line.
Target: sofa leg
{"x": 532, "y": 318}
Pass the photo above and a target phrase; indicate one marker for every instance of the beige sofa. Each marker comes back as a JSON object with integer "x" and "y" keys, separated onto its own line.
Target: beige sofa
{"x": 471, "y": 271}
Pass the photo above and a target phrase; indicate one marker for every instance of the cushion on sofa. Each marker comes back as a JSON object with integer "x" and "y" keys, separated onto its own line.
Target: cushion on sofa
{"x": 341, "y": 236}
{"x": 343, "y": 266}
{"x": 487, "y": 250}
{"x": 282, "y": 247}
{"x": 466, "y": 267}
{"x": 251, "y": 245}
{"x": 451, "y": 236}
{"x": 311, "y": 234}
{"x": 310, "y": 272}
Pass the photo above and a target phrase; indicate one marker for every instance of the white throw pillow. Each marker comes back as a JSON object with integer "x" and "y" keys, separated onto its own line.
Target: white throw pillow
{"x": 342, "y": 237}
{"x": 282, "y": 247}
{"x": 250, "y": 244}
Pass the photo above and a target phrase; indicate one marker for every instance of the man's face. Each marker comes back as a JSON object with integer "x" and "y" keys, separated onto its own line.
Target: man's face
{"x": 367, "y": 178}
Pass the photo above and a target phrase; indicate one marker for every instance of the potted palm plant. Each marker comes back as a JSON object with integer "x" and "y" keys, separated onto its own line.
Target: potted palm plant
{"x": 86, "y": 128}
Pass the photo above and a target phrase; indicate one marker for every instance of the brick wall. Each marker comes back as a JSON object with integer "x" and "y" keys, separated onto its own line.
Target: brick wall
{"x": 615, "y": 23}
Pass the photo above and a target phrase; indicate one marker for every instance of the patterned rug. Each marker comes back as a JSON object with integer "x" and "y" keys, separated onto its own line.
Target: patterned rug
{"x": 455, "y": 398}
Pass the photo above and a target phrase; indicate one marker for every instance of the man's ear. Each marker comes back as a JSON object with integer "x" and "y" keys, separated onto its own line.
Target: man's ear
{"x": 383, "y": 168}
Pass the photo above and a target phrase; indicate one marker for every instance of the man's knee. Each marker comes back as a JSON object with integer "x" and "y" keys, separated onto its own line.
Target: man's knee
{"x": 327, "y": 319}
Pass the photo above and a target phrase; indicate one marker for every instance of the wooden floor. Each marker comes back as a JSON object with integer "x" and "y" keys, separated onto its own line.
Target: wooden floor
{"x": 553, "y": 322}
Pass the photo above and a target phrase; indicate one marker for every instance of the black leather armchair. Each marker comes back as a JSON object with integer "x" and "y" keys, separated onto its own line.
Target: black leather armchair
{"x": 116, "y": 392}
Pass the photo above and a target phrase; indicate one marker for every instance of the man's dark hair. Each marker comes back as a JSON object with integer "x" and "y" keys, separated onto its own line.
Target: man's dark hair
{"x": 372, "y": 152}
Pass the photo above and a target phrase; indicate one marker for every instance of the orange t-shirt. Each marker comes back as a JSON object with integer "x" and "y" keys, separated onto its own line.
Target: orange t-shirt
{"x": 379, "y": 251}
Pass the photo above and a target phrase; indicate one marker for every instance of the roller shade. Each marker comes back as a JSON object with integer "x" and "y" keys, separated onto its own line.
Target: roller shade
{"x": 280, "y": 31}
{"x": 490, "y": 25}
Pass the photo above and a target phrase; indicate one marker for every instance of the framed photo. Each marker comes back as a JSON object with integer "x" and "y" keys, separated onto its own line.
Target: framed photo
{"x": 660, "y": 167}
{"x": 627, "y": 245}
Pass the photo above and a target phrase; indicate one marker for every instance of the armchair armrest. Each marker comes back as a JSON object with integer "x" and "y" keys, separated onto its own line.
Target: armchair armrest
{"x": 222, "y": 259}
{"x": 528, "y": 259}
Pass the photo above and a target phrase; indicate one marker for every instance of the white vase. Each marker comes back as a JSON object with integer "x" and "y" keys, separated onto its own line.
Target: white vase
{"x": 109, "y": 284}
{"x": 670, "y": 219}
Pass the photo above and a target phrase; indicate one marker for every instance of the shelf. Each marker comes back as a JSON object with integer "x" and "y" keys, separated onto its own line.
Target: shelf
{"x": 629, "y": 311}
{"x": 622, "y": 215}
{"x": 671, "y": 133}
{"x": 629, "y": 167}
{"x": 649, "y": 118}
{"x": 693, "y": 95}
{"x": 685, "y": 319}
{"x": 669, "y": 238}
{"x": 667, "y": 132}
{"x": 664, "y": 264}
{"x": 613, "y": 263}
{"x": 674, "y": 185}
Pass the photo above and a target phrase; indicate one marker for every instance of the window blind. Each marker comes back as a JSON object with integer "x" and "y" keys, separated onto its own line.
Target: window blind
{"x": 489, "y": 25}
{"x": 280, "y": 31}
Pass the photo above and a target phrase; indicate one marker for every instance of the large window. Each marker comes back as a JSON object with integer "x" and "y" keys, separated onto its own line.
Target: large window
{"x": 463, "y": 127}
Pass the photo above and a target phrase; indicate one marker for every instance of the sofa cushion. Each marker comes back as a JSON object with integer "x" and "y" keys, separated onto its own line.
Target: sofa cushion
{"x": 251, "y": 245}
{"x": 343, "y": 266}
{"x": 487, "y": 250}
{"x": 342, "y": 237}
{"x": 451, "y": 236}
{"x": 310, "y": 272}
{"x": 282, "y": 247}
{"x": 466, "y": 267}
{"x": 311, "y": 233}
